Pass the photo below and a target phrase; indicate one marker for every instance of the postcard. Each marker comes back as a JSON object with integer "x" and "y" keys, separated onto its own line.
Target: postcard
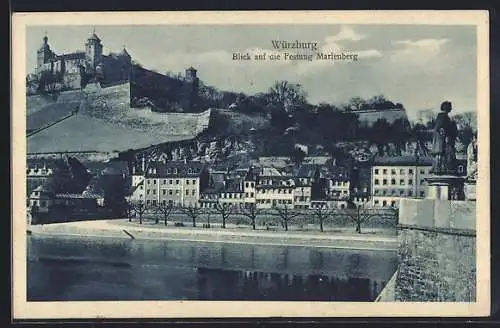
{"x": 250, "y": 164}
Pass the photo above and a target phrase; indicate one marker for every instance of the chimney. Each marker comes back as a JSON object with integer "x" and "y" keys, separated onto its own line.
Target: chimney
{"x": 185, "y": 160}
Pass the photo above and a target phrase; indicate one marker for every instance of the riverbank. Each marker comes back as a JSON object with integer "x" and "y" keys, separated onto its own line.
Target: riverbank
{"x": 369, "y": 240}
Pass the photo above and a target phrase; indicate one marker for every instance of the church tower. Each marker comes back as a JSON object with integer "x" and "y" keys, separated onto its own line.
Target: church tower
{"x": 43, "y": 55}
{"x": 93, "y": 53}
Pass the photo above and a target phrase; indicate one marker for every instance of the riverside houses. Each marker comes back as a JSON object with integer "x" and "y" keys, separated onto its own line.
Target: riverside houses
{"x": 397, "y": 177}
{"x": 176, "y": 182}
{"x": 274, "y": 191}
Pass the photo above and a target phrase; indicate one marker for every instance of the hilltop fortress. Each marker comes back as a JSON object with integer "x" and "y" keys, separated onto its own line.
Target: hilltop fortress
{"x": 72, "y": 71}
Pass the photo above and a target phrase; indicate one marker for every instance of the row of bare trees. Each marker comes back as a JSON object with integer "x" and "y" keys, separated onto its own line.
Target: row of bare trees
{"x": 285, "y": 214}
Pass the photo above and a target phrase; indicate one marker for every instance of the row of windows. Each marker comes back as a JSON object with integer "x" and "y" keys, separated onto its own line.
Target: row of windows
{"x": 230, "y": 195}
{"x": 302, "y": 199}
{"x": 394, "y": 192}
{"x": 171, "y": 192}
{"x": 384, "y": 203}
{"x": 274, "y": 191}
{"x": 170, "y": 181}
{"x": 402, "y": 182}
{"x": 275, "y": 201}
{"x": 340, "y": 183}
{"x": 249, "y": 184}
{"x": 401, "y": 171}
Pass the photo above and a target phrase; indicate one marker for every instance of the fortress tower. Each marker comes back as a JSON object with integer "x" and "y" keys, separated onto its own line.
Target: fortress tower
{"x": 93, "y": 53}
{"x": 44, "y": 54}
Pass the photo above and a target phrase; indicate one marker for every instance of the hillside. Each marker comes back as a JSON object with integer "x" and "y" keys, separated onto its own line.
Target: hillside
{"x": 105, "y": 122}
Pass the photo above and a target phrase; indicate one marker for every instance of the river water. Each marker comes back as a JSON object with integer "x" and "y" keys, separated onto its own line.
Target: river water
{"x": 84, "y": 269}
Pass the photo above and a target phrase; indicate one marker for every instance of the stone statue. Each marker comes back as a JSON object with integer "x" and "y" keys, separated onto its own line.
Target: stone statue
{"x": 443, "y": 143}
{"x": 472, "y": 159}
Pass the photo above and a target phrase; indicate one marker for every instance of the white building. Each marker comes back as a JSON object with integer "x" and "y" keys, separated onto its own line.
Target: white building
{"x": 396, "y": 177}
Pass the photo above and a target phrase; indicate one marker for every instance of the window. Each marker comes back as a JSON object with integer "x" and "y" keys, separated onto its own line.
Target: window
{"x": 187, "y": 192}
{"x": 422, "y": 194}
{"x": 402, "y": 182}
{"x": 393, "y": 181}
{"x": 401, "y": 171}
{"x": 147, "y": 191}
{"x": 393, "y": 203}
{"x": 384, "y": 203}
{"x": 401, "y": 192}
{"x": 164, "y": 202}
{"x": 147, "y": 181}
{"x": 422, "y": 181}
{"x": 177, "y": 192}
{"x": 194, "y": 182}
{"x": 246, "y": 194}
{"x": 251, "y": 194}
{"x": 410, "y": 171}
{"x": 422, "y": 172}
{"x": 187, "y": 181}
{"x": 148, "y": 202}
{"x": 376, "y": 202}
{"x": 170, "y": 192}
{"x": 176, "y": 182}
{"x": 384, "y": 171}
{"x": 164, "y": 181}
{"x": 169, "y": 181}
{"x": 154, "y": 192}
{"x": 410, "y": 181}
{"x": 376, "y": 171}
{"x": 410, "y": 193}
{"x": 164, "y": 192}
{"x": 384, "y": 182}
{"x": 246, "y": 184}
{"x": 154, "y": 202}
{"x": 393, "y": 171}
{"x": 193, "y": 192}
{"x": 376, "y": 191}
{"x": 154, "y": 181}
{"x": 460, "y": 169}
{"x": 141, "y": 187}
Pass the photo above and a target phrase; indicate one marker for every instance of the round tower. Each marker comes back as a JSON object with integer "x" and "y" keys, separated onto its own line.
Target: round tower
{"x": 93, "y": 53}
{"x": 43, "y": 55}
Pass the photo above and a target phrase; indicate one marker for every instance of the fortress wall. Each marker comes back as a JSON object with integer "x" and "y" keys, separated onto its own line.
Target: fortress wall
{"x": 369, "y": 117}
{"x": 437, "y": 251}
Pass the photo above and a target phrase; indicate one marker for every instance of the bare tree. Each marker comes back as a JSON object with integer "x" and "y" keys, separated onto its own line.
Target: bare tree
{"x": 322, "y": 213}
{"x": 165, "y": 209}
{"x": 225, "y": 211}
{"x": 287, "y": 95}
{"x": 140, "y": 209}
{"x": 361, "y": 214}
{"x": 286, "y": 214}
{"x": 193, "y": 212}
{"x": 251, "y": 211}
{"x": 129, "y": 210}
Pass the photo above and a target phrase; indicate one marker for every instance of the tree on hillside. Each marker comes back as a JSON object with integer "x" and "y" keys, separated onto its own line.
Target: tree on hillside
{"x": 225, "y": 211}
{"x": 193, "y": 212}
{"x": 251, "y": 211}
{"x": 297, "y": 156}
{"x": 467, "y": 125}
{"x": 285, "y": 214}
{"x": 287, "y": 95}
{"x": 380, "y": 134}
{"x": 165, "y": 209}
{"x": 400, "y": 132}
{"x": 355, "y": 103}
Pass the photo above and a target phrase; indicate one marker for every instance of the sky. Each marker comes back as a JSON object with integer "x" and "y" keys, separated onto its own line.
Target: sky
{"x": 417, "y": 65}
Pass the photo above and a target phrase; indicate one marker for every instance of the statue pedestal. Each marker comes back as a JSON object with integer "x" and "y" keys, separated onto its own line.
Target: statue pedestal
{"x": 446, "y": 187}
{"x": 470, "y": 190}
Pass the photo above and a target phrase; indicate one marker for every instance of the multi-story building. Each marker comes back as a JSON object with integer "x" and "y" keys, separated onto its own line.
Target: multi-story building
{"x": 249, "y": 185}
{"x": 233, "y": 194}
{"x": 397, "y": 177}
{"x": 338, "y": 183}
{"x": 274, "y": 191}
{"x": 302, "y": 194}
{"x": 175, "y": 182}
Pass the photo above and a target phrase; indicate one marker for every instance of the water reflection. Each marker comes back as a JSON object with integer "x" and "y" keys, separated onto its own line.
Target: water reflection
{"x": 85, "y": 269}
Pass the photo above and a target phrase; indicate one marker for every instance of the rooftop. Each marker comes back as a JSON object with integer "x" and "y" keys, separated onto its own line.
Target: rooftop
{"x": 404, "y": 161}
